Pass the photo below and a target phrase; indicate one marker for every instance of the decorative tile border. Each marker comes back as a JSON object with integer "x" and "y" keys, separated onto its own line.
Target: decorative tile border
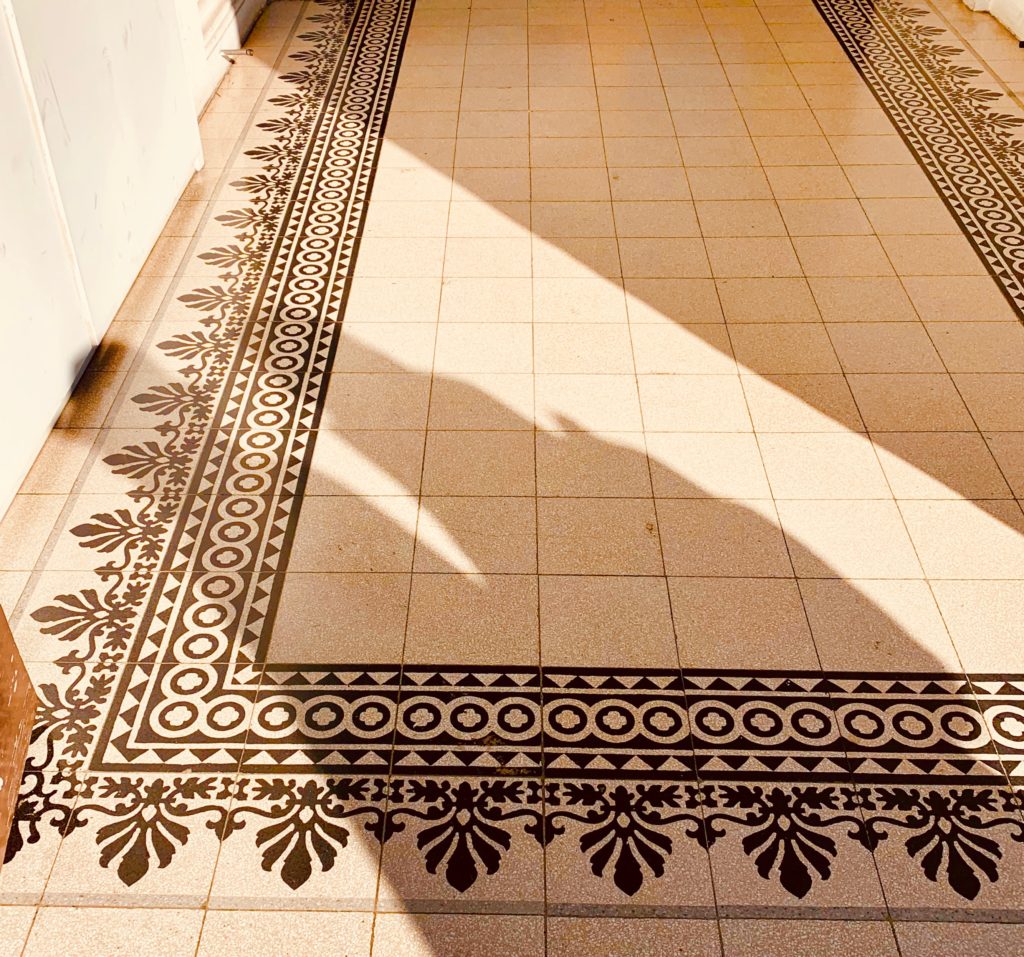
{"x": 956, "y": 128}
{"x": 164, "y": 719}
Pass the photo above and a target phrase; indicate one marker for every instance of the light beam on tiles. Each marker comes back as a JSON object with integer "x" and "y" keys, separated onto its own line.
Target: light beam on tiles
{"x": 395, "y": 502}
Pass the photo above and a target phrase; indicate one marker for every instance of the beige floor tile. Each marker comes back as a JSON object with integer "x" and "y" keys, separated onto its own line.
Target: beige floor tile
{"x": 704, "y": 537}
{"x": 554, "y": 220}
{"x": 675, "y": 349}
{"x": 598, "y": 536}
{"x": 582, "y": 348}
{"x": 767, "y": 299}
{"x": 592, "y": 464}
{"x": 842, "y": 256}
{"x": 686, "y": 301}
{"x": 489, "y": 401}
{"x": 59, "y": 462}
{"x": 824, "y": 217}
{"x": 728, "y": 182}
{"x": 994, "y": 400}
{"x": 873, "y": 625}
{"x": 708, "y": 465}
{"x": 966, "y": 939}
{"x": 946, "y": 465}
{"x": 378, "y": 401}
{"x": 962, "y": 539}
{"x": 484, "y": 347}
{"x": 1008, "y": 450}
{"x": 267, "y": 932}
{"x": 933, "y": 255}
{"x": 752, "y": 256}
{"x": 75, "y": 931}
{"x": 958, "y": 299}
{"x": 729, "y": 218}
{"x": 822, "y": 465}
{"x": 486, "y": 257}
{"x": 693, "y": 403}
{"x": 910, "y": 402}
{"x": 365, "y": 462}
{"x": 663, "y": 258}
{"x": 457, "y": 935}
{"x": 605, "y": 622}
{"x": 884, "y": 347}
{"x": 727, "y": 622}
{"x": 599, "y": 403}
{"x": 979, "y": 346}
{"x": 612, "y": 936}
{"x": 486, "y": 219}
{"x": 783, "y": 348}
{"x": 807, "y": 938}
{"x": 862, "y": 299}
{"x": 392, "y": 300}
{"x": 808, "y": 182}
{"x": 848, "y": 539}
{"x": 664, "y": 219}
{"x": 485, "y": 300}
{"x": 910, "y": 216}
{"x": 383, "y": 346}
{"x": 578, "y": 300}
{"x": 347, "y": 533}
{"x": 473, "y": 619}
{"x": 366, "y": 621}
{"x": 801, "y": 403}
{"x": 479, "y": 463}
{"x": 493, "y": 535}
{"x": 717, "y": 151}
{"x": 25, "y": 528}
{"x": 577, "y": 257}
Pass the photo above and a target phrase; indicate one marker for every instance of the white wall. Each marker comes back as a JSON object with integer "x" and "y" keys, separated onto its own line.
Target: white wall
{"x": 114, "y": 95}
{"x": 45, "y": 332}
{"x": 99, "y": 138}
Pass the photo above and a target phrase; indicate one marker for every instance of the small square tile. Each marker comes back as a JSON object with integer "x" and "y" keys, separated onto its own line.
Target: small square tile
{"x": 474, "y": 534}
{"x": 808, "y": 938}
{"x": 979, "y": 346}
{"x": 605, "y": 622}
{"x": 706, "y": 465}
{"x": 598, "y": 536}
{"x": 916, "y": 255}
{"x": 376, "y": 401}
{"x": 578, "y": 300}
{"x": 937, "y": 938}
{"x": 663, "y": 301}
{"x": 822, "y": 465}
{"x": 680, "y": 349}
{"x": 484, "y": 347}
{"x": 884, "y": 347}
{"x": 472, "y": 620}
{"x": 581, "y": 348}
{"x": 693, "y": 403}
{"x": 801, "y": 403}
{"x": 994, "y": 400}
{"x": 479, "y": 463}
{"x": 267, "y": 933}
{"x": 947, "y": 465}
{"x": 457, "y": 935}
{"x": 614, "y": 936}
{"x": 848, "y": 539}
{"x": 752, "y": 256}
{"x": 715, "y": 537}
{"x": 963, "y": 539}
{"x": 842, "y": 256}
{"x": 348, "y": 533}
{"x": 600, "y": 403}
{"x": 910, "y": 402}
{"x": 75, "y": 931}
{"x": 366, "y": 620}
{"x": 767, "y": 299}
{"x": 872, "y": 625}
{"x": 862, "y": 299}
{"x": 592, "y": 464}
{"x": 783, "y": 348}
{"x": 728, "y": 622}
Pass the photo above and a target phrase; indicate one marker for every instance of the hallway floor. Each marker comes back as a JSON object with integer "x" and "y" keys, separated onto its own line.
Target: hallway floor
{"x": 554, "y": 489}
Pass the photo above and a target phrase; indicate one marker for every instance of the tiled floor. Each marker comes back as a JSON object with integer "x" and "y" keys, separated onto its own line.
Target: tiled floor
{"x": 638, "y": 568}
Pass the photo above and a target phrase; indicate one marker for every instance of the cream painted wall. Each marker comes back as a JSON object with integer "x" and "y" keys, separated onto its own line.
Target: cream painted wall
{"x": 117, "y": 111}
{"x": 45, "y": 332}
